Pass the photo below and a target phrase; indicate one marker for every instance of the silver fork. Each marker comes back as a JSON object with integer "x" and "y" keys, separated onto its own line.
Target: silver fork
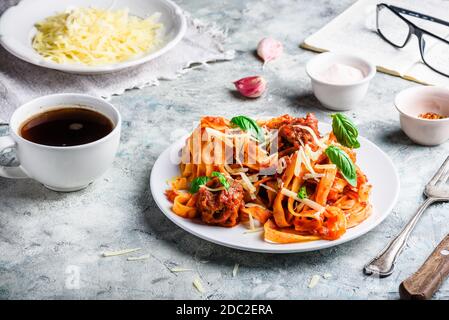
{"x": 437, "y": 189}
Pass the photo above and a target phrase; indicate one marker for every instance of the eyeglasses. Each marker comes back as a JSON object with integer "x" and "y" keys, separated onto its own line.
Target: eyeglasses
{"x": 397, "y": 31}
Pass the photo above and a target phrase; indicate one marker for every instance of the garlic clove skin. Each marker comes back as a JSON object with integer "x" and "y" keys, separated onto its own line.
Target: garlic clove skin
{"x": 269, "y": 49}
{"x": 251, "y": 87}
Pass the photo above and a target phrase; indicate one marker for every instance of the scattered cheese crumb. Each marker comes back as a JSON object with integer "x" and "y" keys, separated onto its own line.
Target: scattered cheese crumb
{"x": 235, "y": 270}
{"x": 144, "y": 257}
{"x": 251, "y": 222}
{"x": 176, "y": 269}
{"x": 327, "y": 276}
{"x": 314, "y": 281}
{"x": 198, "y": 285}
{"x": 253, "y": 231}
{"x": 119, "y": 253}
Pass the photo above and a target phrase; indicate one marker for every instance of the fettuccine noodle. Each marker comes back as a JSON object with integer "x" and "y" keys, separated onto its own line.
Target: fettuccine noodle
{"x": 293, "y": 191}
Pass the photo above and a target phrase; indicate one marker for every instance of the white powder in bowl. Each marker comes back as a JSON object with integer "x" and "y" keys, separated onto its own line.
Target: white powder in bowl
{"x": 341, "y": 74}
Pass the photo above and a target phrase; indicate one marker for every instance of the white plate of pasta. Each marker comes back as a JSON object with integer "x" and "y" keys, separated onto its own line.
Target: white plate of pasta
{"x": 279, "y": 185}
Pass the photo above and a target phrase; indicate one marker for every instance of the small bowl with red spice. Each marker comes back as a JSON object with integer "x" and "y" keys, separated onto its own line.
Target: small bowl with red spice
{"x": 424, "y": 114}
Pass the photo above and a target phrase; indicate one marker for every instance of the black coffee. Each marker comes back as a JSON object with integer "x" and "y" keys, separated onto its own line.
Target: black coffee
{"x": 68, "y": 126}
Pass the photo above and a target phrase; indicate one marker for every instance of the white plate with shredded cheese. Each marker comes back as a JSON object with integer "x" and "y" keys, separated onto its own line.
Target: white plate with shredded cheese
{"x": 372, "y": 160}
{"x": 91, "y": 37}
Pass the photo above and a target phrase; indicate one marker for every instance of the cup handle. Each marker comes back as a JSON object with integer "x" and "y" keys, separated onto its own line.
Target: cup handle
{"x": 10, "y": 172}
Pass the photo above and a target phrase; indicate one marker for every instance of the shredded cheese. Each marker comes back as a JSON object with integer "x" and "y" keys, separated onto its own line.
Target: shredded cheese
{"x": 249, "y": 186}
{"x": 144, "y": 257}
{"x": 251, "y": 222}
{"x": 312, "y": 204}
{"x": 267, "y": 187}
{"x": 178, "y": 269}
{"x": 119, "y": 253}
{"x": 308, "y": 176}
{"x": 213, "y": 189}
{"x": 314, "y": 281}
{"x": 235, "y": 270}
{"x": 314, "y": 136}
{"x": 219, "y": 134}
{"x": 249, "y": 205}
{"x": 94, "y": 36}
{"x": 313, "y": 155}
{"x": 234, "y": 171}
{"x": 198, "y": 285}
{"x": 254, "y": 178}
{"x": 298, "y": 162}
{"x": 254, "y": 231}
{"x": 306, "y": 161}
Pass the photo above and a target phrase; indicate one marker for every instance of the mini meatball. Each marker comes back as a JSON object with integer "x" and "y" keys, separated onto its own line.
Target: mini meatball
{"x": 295, "y": 134}
{"x": 220, "y": 207}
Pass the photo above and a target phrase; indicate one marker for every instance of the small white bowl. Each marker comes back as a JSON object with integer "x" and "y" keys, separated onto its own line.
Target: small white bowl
{"x": 339, "y": 96}
{"x": 414, "y": 101}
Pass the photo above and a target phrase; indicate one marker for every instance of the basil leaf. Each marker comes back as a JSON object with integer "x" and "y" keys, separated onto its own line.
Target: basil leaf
{"x": 343, "y": 163}
{"x": 345, "y": 131}
{"x": 197, "y": 183}
{"x": 249, "y": 125}
{"x": 222, "y": 179}
{"x": 302, "y": 194}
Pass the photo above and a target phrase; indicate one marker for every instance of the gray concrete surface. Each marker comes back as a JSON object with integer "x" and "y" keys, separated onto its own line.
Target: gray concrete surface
{"x": 48, "y": 239}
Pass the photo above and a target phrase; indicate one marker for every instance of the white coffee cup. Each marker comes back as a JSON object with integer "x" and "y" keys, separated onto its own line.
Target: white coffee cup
{"x": 61, "y": 168}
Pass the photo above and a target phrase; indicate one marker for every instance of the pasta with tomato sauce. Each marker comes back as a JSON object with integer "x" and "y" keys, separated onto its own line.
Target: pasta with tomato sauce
{"x": 279, "y": 174}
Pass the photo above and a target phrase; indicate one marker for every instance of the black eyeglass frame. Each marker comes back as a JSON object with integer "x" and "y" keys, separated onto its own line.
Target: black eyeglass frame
{"x": 413, "y": 29}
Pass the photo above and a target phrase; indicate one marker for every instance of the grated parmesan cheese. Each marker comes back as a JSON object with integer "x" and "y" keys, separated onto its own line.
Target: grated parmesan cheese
{"x": 144, "y": 257}
{"x": 249, "y": 205}
{"x": 213, "y": 189}
{"x": 313, "y": 155}
{"x": 235, "y": 270}
{"x": 298, "y": 162}
{"x": 178, "y": 269}
{"x": 267, "y": 187}
{"x": 198, "y": 285}
{"x": 314, "y": 136}
{"x": 314, "y": 281}
{"x": 312, "y": 204}
{"x": 251, "y": 222}
{"x": 119, "y": 253}
{"x": 306, "y": 161}
{"x": 234, "y": 171}
{"x": 254, "y": 178}
{"x": 249, "y": 186}
{"x": 253, "y": 231}
{"x": 308, "y": 176}
{"x": 94, "y": 36}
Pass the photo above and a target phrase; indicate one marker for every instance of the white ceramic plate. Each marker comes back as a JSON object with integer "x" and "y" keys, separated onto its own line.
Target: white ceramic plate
{"x": 374, "y": 162}
{"x": 17, "y": 29}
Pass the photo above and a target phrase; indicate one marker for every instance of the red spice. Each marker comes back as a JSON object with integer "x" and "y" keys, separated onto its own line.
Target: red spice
{"x": 431, "y": 116}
